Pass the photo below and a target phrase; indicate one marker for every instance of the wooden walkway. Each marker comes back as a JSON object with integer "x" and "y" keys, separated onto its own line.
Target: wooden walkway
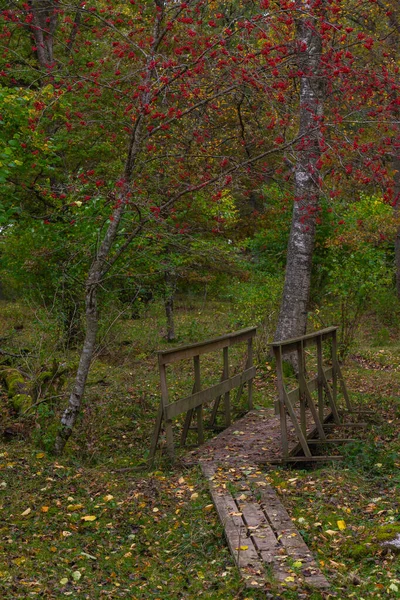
{"x": 262, "y": 538}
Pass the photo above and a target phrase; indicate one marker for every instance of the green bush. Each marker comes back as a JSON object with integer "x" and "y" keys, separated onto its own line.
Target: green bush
{"x": 355, "y": 283}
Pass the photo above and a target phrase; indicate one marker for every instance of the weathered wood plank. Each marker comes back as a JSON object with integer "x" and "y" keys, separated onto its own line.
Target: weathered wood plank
{"x": 184, "y": 404}
{"x": 304, "y": 459}
{"x": 239, "y": 541}
{"x": 176, "y": 354}
{"x": 294, "y": 395}
{"x": 290, "y": 538}
{"x": 308, "y": 340}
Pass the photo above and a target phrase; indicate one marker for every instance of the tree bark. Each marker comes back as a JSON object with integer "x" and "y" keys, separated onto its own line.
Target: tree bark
{"x": 102, "y": 262}
{"x": 292, "y": 320}
{"x": 396, "y": 190}
{"x": 95, "y": 275}
{"x": 43, "y": 27}
{"x": 169, "y": 305}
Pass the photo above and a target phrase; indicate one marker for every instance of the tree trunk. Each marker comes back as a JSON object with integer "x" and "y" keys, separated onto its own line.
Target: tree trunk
{"x": 292, "y": 320}
{"x": 95, "y": 275}
{"x": 396, "y": 189}
{"x": 169, "y": 305}
{"x": 43, "y": 27}
{"x": 103, "y": 261}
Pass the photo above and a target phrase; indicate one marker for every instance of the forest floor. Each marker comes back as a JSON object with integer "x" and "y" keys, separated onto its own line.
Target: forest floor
{"x": 96, "y": 524}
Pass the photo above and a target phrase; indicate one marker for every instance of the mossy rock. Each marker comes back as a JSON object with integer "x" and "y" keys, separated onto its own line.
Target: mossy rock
{"x": 380, "y": 540}
{"x": 388, "y": 537}
{"x": 18, "y": 390}
{"x": 45, "y": 376}
{"x": 14, "y": 380}
{"x": 387, "y": 532}
{"x": 21, "y": 402}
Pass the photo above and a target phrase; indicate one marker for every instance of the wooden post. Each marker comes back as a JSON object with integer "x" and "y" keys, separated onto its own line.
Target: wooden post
{"x": 301, "y": 367}
{"x": 248, "y": 366}
{"x": 168, "y": 422}
{"x": 334, "y": 368}
{"x": 282, "y": 410}
{"x": 320, "y": 385}
{"x": 199, "y": 409}
{"x": 227, "y": 401}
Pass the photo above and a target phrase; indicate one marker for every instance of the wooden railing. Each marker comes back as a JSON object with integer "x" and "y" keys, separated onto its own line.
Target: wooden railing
{"x": 193, "y": 404}
{"x": 325, "y": 383}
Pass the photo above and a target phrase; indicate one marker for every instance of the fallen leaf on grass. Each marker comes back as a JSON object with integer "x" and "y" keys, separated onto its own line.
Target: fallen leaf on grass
{"x": 88, "y": 518}
{"x": 45, "y": 509}
{"x": 88, "y": 556}
{"x": 72, "y": 507}
{"x": 341, "y": 524}
{"x": 26, "y": 512}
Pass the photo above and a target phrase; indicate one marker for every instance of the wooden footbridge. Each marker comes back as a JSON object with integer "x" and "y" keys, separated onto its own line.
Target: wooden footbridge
{"x": 299, "y": 428}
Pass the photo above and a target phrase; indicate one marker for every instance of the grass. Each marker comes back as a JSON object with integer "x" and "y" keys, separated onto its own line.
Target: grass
{"x": 90, "y": 525}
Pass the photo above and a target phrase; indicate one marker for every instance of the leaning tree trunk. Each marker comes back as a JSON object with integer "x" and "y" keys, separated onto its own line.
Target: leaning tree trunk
{"x": 103, "y": 261}
{"x": 396, "y": 187}
{"x": 93, "y": 281}
{"x": 292, "y": 320}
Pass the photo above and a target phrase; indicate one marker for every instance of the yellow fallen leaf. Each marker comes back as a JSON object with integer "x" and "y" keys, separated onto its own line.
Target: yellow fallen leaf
{"x": 64, "y": 581}
{"x": 297, "y": 564}
{"x": 19, "y": 561}
{"x": 89, "y": 518}
{"x": 194, "y": 496}
{"x": 330, "y": 532}
{"x": 26, "y": 512}
{"x": 40, "y": 455}
{"x": 290, "y": 578}
{"x": 241, "y": 548}
{"x": 44, "y": 509}
{"x": 208, "y": 507}
{"x": 108, "y": 498}
{"x": 341, "y": 524}
{"x": 155, "y": 509}
{"x": 72, "y": 507}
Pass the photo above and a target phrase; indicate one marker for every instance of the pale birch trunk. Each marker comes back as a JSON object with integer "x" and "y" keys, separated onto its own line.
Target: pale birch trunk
{"x": 396, "y": 188}
{"x": 103, "y": 261}
{"x": 292, "y": 320}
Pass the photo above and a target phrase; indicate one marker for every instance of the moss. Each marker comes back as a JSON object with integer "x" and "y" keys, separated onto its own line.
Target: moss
{"x": 386, "y": 533}
{"x": 13, "y": 379}
{"x": 375, "y": 543}
{"x": 359, "y": 551}
{"x": 44, "y": 376}
{"x": 21, "y": 402}
{"x": 17, "y": 389}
